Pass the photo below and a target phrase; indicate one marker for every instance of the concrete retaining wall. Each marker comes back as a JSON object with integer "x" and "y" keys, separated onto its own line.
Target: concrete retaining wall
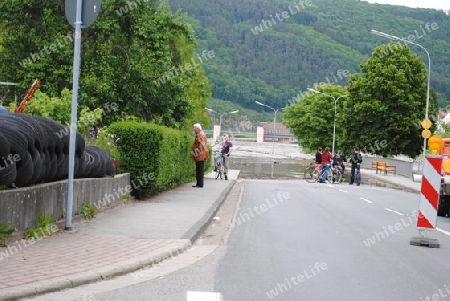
{"x": 403, "y": 168}
{"x": 22, "y": 207}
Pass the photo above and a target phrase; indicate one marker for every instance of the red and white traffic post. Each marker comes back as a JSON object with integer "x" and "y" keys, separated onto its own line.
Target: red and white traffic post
{"x": 429, "y": 200}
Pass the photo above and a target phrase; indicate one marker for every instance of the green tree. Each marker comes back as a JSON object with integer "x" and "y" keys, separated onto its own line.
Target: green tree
{"x": 387, "y": 103}
{"x": 312, "y": 117}
{"x": 134, "y": 55}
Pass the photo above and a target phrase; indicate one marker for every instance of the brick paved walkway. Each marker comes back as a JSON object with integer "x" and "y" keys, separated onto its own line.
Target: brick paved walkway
{"x": 114, "y": 243}
{"x": 66, "y": 254}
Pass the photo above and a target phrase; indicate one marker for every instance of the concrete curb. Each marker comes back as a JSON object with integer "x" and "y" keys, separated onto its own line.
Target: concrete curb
{"x": 78, "y": 279}
{"x": 194, "y": 232}
{"x": 121, "y": 268}
{"x": 387, "y": 181}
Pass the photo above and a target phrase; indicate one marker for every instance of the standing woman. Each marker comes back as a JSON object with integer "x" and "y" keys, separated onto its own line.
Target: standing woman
{"x": 326, "y": 163}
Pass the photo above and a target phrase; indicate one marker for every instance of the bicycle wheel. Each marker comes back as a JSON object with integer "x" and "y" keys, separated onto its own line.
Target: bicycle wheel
{"x": 222, "y": 170}
{"x": 357, "y": 177}
{"x": 330, "y": 176}
{"x": 338, "y": 177}
{"x": 310, "y": 174}
{"x": 219, "y": 170}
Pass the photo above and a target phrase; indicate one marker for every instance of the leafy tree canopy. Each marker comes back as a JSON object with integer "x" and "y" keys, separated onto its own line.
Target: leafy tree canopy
{"x": 381, "y": 112}
{"x": 387, "y": 103}
{"x": 312, "y": 118}
{"x": 137, "y": 55}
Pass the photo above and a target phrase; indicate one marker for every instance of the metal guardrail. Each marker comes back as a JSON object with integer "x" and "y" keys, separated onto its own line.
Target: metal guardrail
{"x": 253, "y": 135}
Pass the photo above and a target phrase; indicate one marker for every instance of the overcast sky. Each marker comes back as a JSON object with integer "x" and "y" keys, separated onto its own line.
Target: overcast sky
{"x": 438, "y": 4}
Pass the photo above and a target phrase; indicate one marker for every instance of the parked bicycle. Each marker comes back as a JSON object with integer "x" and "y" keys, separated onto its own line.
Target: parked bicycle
{"x": 335, "y": 174}
{"x": 358, "y": 174}
{"x": 312, "y": 174}
{"x": 219, "y": 161}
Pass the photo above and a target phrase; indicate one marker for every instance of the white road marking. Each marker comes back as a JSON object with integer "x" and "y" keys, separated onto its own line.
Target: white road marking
{"x": 443, "y": 231}
{"x": 343, "y": 190}
{"x": 366, "y": 200}
{"x": 396, "y": 212}
{"x": 203, "y": 296}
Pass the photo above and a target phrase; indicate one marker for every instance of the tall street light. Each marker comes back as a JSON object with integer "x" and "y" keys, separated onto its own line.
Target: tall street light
{"x": 335, "y": 103}
{"x": 395, "y": 38}
{"x": 221, "y": 115}
{"x": 274, "y": 121}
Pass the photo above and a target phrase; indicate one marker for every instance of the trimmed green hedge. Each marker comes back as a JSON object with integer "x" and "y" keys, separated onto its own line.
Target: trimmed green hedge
{"x": 156, "y": 157}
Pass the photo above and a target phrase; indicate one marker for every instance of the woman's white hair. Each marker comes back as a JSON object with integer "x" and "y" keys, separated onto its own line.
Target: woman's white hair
{"x": 197, "y": 125}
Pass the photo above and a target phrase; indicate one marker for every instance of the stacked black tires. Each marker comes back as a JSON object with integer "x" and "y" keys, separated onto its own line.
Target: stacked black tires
{"x": 35, "y": 150}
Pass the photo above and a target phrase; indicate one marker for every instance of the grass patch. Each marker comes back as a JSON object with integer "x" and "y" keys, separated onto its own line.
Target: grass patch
{"x": 5, "y": 232}
{"x": 88, "y": 211}
{"x": 43, "y": 228}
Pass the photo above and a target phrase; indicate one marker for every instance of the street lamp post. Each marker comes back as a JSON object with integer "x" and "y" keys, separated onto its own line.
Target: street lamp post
{"x": 334, "y": 123}
{"x": 274, "y": 122}
{"x": 395, "y": 38}
{"x": 221, "y": 115}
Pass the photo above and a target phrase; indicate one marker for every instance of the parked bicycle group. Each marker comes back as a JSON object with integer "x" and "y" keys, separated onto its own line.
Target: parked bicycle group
{"x": 330, "y": 168}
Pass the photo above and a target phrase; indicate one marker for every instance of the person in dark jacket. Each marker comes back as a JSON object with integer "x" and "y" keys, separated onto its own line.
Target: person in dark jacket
{"x": 355, "y": 158}
{"x": 339, "y": 160}
{"x": 318, "y": 160}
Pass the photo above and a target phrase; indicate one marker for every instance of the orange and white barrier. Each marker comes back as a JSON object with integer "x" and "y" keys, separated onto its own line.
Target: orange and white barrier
{"x": 429, "y": 192}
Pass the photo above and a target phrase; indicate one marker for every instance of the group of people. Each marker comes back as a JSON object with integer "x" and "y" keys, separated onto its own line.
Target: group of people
{"x": 324, "y": 159}
{"x": 200, "y": 154}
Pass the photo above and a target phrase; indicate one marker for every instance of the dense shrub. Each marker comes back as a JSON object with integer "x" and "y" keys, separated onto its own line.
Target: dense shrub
{"x": 156, "y": 157}
{"x": 175, "y": 164}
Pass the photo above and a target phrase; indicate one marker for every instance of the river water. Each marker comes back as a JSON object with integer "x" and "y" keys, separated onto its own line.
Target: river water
{"x": 268, "y": 160}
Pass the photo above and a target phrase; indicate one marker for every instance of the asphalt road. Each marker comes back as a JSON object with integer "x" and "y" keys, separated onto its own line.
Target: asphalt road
{"x": 330, "y": 243}
{"x": 293, "y": 240}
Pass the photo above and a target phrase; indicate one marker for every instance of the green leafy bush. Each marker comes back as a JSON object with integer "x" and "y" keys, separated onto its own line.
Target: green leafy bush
{"x": 156, "y": 157}
{"x": 138, "y": 147}
{"x": 175, "y": 162}
{"x": 59, "y": 110}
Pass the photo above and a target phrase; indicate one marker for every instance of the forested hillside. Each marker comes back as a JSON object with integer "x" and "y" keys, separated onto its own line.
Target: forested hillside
{"x": 273, "y": 50}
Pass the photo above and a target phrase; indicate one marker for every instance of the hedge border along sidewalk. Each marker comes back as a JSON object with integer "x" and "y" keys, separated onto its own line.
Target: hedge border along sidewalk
{"x": 156, "y": 157}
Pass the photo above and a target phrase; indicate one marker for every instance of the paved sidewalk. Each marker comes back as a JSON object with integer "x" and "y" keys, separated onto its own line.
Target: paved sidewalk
{"x": 116, "y": 242}
{"x": 396, "y": 180}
